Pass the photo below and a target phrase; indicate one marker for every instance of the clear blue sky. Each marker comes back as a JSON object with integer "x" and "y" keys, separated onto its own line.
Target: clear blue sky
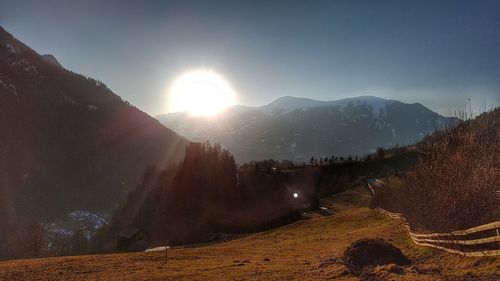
{"x": 435, "y": 52}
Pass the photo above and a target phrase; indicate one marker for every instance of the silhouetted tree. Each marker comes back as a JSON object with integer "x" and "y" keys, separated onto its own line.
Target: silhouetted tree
{"x": 78, "y": 241}
{"x": 368, "y": 158}
{"x": 28, "y": 239}
{"x": 380, "y": 153}
{"x": 312, "y": 161}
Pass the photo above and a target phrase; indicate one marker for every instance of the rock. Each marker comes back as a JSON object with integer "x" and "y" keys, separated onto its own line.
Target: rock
{"x": 372, "y": 252}
{"x": 266, "y": 259}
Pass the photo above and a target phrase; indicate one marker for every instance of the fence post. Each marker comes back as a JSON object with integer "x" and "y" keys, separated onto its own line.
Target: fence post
{"x": 497, "y": 236}
{"x": 166, "y": 251}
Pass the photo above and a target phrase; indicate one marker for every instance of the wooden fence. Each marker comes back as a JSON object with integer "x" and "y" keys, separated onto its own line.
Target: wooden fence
{"x": 483, "y": 240}
{"x": 479, "y": 241}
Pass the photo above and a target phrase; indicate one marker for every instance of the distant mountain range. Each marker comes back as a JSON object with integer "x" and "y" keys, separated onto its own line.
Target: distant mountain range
{"x": 299, "y": 128}
{"x": 67, "y": 142}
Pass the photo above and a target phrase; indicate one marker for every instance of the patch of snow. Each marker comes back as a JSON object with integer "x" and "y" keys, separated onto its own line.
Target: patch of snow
{"x": 394, "y": 133}
{"x": 69, "y": 99}
{"x": 91, "y": 107}
{"x": 293, "y": 145}
{"x": 11, "y": 49}
{"x": 26, "y": 177}
{"x": 26, "y": 65}
{"x": 55, "y": 230}
{"x": 87, "y": 234}
{"x": 381, "y": 124}
{"x": 157, "y": 249}
{"x": 87, "y": 218}
{"x": 378, "y": 105}
{"x": 82, "y": 223}
{"x": 10, "y": 88}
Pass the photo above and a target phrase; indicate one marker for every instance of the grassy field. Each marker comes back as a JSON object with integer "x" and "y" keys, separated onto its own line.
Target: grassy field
{"x": 310, "y": 249}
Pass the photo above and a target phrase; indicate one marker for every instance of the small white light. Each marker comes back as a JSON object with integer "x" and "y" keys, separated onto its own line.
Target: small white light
{"x": 295, "y": 195}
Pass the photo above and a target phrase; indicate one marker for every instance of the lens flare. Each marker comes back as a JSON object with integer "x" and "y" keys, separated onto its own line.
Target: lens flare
{"x": 201, "y": 92}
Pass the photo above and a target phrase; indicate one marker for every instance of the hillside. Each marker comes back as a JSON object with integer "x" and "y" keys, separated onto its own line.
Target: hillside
{"x": 307, "y": 250}
{"x": 455, "y": 182}
{"x": 67, "y": 142}
{"x": 298, "y": 128}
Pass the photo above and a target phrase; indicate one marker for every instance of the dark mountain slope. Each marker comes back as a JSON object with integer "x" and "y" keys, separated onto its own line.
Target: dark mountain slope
{"x": 66, "y": 141}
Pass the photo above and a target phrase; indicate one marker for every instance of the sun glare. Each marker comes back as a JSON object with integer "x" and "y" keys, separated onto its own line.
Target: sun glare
{"x": 201, "y": 93}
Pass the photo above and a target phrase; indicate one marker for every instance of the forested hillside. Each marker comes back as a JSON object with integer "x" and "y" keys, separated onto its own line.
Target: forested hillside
{"x": 67, "y": 142}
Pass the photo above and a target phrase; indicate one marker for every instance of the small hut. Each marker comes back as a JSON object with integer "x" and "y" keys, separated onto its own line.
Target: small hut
{"x": 132, "y": 240}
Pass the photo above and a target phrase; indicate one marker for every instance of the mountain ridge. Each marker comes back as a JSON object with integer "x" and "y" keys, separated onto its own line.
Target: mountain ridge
{"x": 299, "y": 128}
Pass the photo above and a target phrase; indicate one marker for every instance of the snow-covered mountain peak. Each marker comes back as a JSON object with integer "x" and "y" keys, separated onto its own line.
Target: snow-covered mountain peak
{"x": 287, "y": 104}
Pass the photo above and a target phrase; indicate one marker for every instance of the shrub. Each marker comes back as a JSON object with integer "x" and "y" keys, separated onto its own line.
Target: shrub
{"x": 453, "y": 186}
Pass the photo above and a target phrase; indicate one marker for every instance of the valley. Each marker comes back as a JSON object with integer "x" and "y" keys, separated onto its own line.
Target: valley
{"x": 310, "y": 249}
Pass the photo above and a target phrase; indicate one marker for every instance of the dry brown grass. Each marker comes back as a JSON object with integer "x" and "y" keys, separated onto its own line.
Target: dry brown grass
{"x": 453, "y": 186}
{"x": 306, "y": 250}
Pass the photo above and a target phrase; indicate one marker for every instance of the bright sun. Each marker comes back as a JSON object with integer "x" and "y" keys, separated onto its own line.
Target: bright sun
{"x": 201, "y": 93}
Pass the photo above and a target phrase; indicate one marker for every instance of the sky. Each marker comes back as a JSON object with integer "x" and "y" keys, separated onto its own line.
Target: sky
{"x": 438, "y": 53}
